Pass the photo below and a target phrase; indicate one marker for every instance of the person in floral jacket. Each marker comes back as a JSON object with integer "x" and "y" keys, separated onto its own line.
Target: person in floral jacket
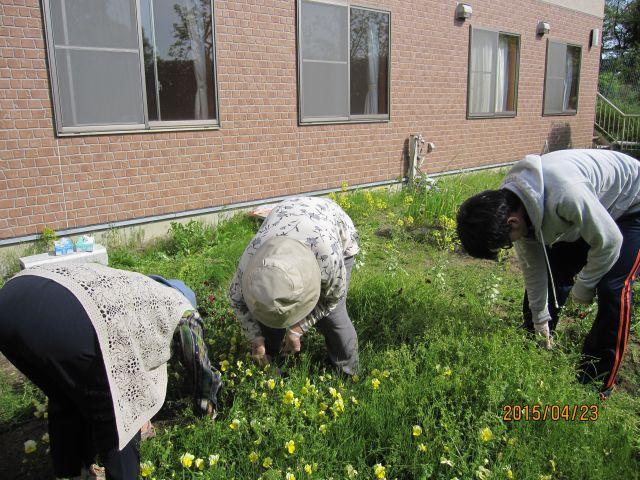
{"x": 294, "y": 275}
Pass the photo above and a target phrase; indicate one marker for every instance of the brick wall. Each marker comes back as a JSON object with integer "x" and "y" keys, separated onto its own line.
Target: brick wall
{"x": 260, "y": 151}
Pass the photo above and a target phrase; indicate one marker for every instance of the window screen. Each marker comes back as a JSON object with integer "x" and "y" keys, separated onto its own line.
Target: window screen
{"x": 127, "y": 64}
{"x": 97, "y": 61}
{"x": 344, "y": 62}
{"x": 562, "y": 78}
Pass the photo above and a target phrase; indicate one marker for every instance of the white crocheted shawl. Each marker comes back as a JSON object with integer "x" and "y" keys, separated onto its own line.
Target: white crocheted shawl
{"x": 134, "y": 318}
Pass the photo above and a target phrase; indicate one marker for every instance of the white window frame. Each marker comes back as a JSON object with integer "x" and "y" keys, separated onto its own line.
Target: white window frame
{"x": 510, "y": 114}
{"x": 147, "y": 126}
{"x": 546, "y": 73}
{"x": 357, "y": 118}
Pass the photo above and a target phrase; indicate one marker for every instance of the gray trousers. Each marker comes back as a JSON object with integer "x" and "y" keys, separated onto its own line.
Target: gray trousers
{"x": 339, "y": 334}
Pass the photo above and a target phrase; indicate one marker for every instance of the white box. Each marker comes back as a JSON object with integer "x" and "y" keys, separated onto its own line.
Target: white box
{"x": 99, "y": 255}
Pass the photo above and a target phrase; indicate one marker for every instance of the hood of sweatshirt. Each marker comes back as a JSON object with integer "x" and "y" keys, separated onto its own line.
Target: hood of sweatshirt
{"x": 525, "y": 180}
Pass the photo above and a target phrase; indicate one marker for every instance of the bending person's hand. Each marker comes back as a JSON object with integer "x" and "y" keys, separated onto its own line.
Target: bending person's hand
{"x": 292, "y": 342}
{"x": 542, "y": 331}
{"x": 259, "y": 352}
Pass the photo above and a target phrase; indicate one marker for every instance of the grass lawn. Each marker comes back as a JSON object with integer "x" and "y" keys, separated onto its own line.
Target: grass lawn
{"x": 442, "y": 360}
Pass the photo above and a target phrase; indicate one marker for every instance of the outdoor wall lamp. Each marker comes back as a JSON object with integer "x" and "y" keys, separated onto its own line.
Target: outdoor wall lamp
{"x": 463, "y": 11}
{"x": 543, "y": 28}
{"x": 595, "y": 37}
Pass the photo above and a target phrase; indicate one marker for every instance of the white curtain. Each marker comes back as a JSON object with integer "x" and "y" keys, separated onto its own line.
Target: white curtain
{"x": 568, "y": 81}
{"x": 373, "y": 54}
{"x": 482, "y": 49}
{"x": 502, "y": 75}
{"x": 195, "y": 26}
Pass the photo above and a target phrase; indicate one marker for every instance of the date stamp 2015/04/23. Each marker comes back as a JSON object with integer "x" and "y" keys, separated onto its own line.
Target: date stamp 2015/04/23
{"x": 555, "y": 413}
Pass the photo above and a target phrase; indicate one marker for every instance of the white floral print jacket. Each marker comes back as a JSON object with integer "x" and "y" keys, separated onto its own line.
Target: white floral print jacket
{"x": 323, "y": 226}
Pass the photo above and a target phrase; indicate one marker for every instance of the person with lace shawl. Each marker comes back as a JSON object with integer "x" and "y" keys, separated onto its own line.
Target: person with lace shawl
{"x": 97, "y": 340}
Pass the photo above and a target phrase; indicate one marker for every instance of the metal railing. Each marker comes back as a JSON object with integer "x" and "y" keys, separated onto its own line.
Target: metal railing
{"x": 621, "y": 129}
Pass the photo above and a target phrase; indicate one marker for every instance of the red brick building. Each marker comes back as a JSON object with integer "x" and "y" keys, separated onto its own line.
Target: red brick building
{"x": 121, "y": 112}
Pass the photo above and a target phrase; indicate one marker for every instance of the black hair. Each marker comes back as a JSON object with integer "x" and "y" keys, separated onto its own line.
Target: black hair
{"x": 482, "y": 222}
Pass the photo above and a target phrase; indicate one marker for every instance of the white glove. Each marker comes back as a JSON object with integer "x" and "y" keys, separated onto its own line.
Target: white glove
{"x": 542, "y": 330}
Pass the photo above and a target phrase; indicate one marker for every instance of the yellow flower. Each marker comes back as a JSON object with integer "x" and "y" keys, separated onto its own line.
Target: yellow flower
{"x": 187, "y": 460}
{"x": 446, "y": 461}
{"x": 271, "y": 383}
{"x": 355, "y": 378}
{"x": 486, "y": 435}
{"x": 338, "y": 407}
{"x": 344, "y": 186}
{"x": 213, "y": 460}
{"x": 30, "y": 446}
{"x": 267, "y": 462}
{"x": 379, "y": 471}
{"x": 253, "y": 457}
{"x": 288, "y": 397}
{"x": 304, "y": 390}
{"x": 386, "y": 373}
{"x": 447, "y": 372}
{"x": 483, "y": 473}
{"x": 354, "y": 400}
{"x": 351, "y": 472}
{"x": 289, "y": 476}
{"x": 235, "y": 423}
{"x": 416, "y": 431}
{"x": 400, "y": 223}
{"x": 323, "y": 428}
{"x": 422, "y": 447}
{"x": 333, "y": 391}
{"x": 409, "y": 220}
{"x": 509, "y": 474}
{"x": 308, "y": 469}
{"x": 290, "y": 447}
{"x": 553, "y": 465}
{"x": 375, "y": 383}
{"x": 199, "y": 464}
{"x": 146, "y": 468}
{"x": 408, "y": 200}
{"x": 248, "y": 372}
{"x": 224, "y": 366}
{"x": 296, "y": 402}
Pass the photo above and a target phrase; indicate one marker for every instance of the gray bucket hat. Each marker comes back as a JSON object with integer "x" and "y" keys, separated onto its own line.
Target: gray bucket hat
{"x": 281, "y": 283}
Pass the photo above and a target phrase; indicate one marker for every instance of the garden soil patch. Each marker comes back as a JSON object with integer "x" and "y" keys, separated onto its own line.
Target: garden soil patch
{"x": 14, "y": 463}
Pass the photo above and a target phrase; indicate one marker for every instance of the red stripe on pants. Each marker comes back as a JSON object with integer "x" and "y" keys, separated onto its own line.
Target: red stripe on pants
{"x": 625, "y": 319}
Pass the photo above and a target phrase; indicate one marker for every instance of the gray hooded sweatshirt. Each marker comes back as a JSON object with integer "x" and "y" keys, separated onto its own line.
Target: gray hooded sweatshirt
{"x": 570, "y": 194}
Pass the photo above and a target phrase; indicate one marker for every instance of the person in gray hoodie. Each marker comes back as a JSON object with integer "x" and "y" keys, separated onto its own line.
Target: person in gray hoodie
{"x": 574, "y": 217}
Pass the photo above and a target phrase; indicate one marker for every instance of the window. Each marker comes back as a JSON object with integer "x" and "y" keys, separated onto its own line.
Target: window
{"x": 344, "y": 63}
{"x": 562, "y": 79}
{"x": 493, "y": 74}
{"x": 131, "y": 64}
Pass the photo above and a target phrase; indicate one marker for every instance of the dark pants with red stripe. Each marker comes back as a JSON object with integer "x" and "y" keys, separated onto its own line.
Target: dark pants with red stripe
{"x": 606, "y": 342}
